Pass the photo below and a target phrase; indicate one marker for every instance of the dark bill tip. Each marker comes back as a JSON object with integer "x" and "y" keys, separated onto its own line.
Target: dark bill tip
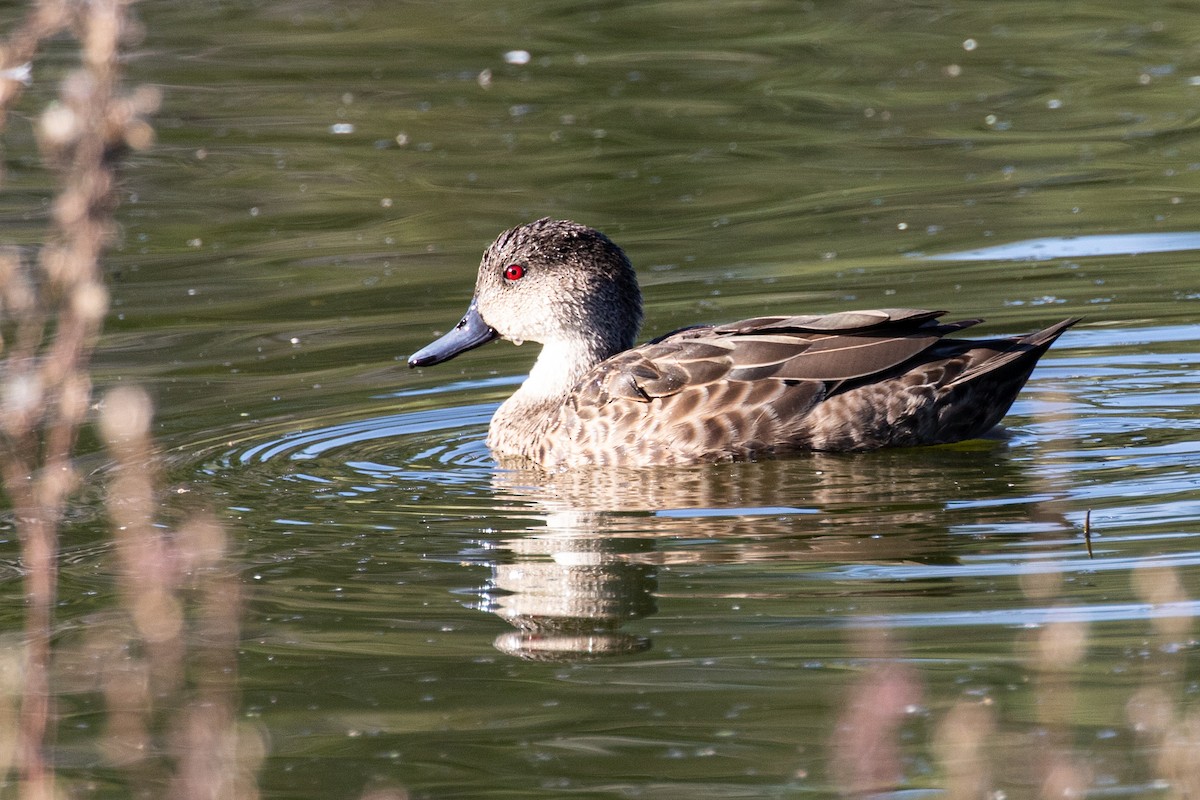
{"x": 470, "y": 332}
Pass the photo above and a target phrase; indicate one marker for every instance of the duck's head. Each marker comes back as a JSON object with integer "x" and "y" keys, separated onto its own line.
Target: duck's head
{"x": 550, "y": 281}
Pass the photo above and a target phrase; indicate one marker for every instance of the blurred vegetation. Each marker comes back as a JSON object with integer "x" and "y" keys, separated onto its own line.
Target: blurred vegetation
{"x": 170, "y": 703}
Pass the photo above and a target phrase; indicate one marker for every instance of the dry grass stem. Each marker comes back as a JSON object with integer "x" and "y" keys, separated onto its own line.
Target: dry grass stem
{"x": 52, "y": 311}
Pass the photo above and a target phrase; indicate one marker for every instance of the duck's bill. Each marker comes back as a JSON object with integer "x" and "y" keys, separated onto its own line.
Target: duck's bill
{"x": 470, "y": 332}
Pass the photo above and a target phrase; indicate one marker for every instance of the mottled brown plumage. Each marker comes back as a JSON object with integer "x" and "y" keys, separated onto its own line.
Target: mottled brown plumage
{"x": 855, "y": 380}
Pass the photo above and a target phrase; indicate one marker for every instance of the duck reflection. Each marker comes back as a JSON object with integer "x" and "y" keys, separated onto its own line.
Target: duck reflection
{"x": 589, "y": 561}
{"x": 568, "y": 591}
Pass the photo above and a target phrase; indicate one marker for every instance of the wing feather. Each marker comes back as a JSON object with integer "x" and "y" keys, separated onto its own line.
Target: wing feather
{"x": 755, "y": 385}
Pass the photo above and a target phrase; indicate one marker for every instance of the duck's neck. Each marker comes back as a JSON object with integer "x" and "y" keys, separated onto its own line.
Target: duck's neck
{"x": 558, "y": 368}
{"x": 557, "y": 371}
{"x": 518, "y": 424}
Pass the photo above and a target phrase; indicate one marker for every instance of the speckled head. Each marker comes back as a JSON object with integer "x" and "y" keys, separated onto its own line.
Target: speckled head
{"x": 551, "y": 281}
{"x": 556, "y": 280}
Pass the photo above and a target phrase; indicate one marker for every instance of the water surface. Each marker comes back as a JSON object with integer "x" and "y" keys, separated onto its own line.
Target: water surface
{"x": 417, "y": 619}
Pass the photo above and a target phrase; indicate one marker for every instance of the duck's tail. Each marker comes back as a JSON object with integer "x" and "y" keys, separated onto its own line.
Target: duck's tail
{"x": 1020, "y": 354}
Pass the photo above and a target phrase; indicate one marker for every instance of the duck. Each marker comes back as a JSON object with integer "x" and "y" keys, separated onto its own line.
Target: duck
{"x": 757, "y": 388}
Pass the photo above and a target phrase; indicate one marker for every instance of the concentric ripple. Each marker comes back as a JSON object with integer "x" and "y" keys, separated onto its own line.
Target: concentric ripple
{"x": 422, "y": 449}
{"x": 413, "y": 428}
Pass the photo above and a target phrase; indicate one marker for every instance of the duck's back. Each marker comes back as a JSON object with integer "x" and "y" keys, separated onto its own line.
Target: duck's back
{"x": 771, "y": 385}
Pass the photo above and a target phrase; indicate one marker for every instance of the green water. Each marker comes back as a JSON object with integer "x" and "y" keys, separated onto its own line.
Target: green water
{"x": 416, "y": 620}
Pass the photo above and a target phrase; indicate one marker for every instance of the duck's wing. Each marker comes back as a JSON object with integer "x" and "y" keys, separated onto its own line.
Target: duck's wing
{"x": 856, "y": 380}
{"x": 827, "y": 349}
{"x": 749, "y": 385}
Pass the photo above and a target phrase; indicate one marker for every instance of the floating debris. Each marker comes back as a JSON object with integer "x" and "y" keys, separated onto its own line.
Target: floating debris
{"x": 1087, "y": 531}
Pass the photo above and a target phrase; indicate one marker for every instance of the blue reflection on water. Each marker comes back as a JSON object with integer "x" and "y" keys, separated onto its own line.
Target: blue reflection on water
{"x": 1027, "y": 617}
{"x": 1044, "y": 249}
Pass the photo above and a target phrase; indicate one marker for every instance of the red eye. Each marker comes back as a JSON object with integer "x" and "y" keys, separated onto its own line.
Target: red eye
{"x": 514, "y": 272}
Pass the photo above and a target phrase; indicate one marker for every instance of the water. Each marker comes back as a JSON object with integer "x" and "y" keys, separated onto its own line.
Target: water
{"x": 417, "y": 620}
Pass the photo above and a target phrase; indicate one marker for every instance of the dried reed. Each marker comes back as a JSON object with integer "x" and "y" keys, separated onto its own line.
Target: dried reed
{"x": 51, "y": 311}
